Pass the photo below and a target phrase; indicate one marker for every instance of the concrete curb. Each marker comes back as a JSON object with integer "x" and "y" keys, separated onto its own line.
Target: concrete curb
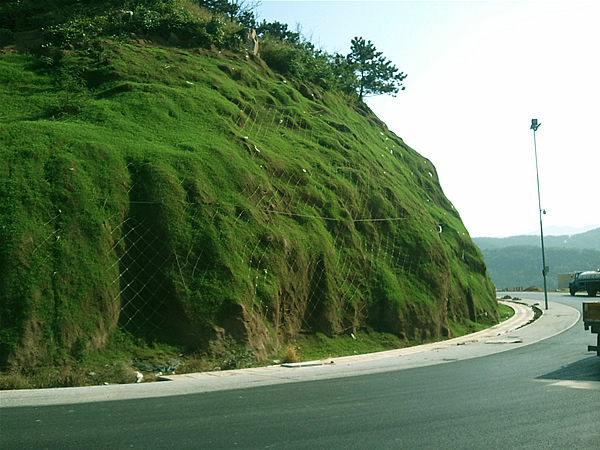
{"x": 523, "y": 315}
{"x": 508, "y": 335}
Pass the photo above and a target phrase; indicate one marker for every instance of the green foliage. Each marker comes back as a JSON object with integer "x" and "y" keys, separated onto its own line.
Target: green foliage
{"x": 240, "y": 11}
{"x": 74, "y": 87}
{"x": 216, "y": 28}
{"x": 51, "y": 222}
{"x": 320, "y": 347}
{"x": 287, "y": 52}
{"x": 22, "y": 15}
{"x": 78, "y": 24}
{"x": 193, "y": 198}
{"x": 238, "y": 358}
{"x": 278, "y": 30}
{"x": 304, "y": 62}
{"x": 81, "y": 23}
{"x": 284, "y": 58}
{"x": 506, "y": 312}
{"x": 374, "y": 73}
{"x": 364, "y": 71}
{"x": 468, "y": 327}
{"x": 219, "y": 6}
{"x": 6, "y": 36}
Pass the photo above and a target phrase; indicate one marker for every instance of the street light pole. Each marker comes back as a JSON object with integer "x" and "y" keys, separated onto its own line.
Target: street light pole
{"x": 534, "y": 126}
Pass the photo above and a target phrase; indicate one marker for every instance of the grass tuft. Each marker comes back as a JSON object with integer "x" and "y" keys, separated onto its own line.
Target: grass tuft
{"x": 290, "y": 355}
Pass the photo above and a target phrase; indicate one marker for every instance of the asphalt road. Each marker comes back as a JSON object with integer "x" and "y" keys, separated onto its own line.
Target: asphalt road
{"x": 544, "y": 394}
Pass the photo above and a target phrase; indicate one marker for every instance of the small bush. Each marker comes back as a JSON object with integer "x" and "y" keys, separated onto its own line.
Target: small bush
{"x": 281, "y": 57}
{"x": 291, "y": 355}
{"x": 6, "y": 36}
{"x": 239, "y": 358}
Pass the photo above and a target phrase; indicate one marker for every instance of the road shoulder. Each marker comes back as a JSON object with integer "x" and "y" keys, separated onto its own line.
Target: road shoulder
{"x": 514, "y": 333}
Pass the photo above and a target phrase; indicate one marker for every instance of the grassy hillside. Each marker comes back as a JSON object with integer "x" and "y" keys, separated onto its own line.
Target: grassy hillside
{"x": 192, "y": 196}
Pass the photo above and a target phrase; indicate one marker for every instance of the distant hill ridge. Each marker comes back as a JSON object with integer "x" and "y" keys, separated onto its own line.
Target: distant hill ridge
{"x": 589, "y": 240}
{"x": 516, "y": 261}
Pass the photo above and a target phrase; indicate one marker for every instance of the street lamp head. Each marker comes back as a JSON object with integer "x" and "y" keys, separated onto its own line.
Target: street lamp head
{"x": 534, "y": 125}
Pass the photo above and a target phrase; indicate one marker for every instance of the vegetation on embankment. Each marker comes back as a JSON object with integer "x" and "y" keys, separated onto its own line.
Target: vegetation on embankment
{"x": 189, "y": 196}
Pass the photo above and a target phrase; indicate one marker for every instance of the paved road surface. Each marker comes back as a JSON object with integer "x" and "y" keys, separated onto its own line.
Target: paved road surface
{"x": 526, "y": 393}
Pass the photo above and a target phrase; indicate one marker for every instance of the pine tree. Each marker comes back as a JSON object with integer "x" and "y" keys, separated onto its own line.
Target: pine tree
{"x": 374, "y": 73}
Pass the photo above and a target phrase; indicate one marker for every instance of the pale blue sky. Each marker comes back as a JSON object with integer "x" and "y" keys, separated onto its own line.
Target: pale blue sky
{"x": 478, "y": 72}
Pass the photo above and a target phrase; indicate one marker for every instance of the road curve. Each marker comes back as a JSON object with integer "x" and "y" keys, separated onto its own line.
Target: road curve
{"x": 524, "y": 391}
{"x": 511, "y": 334}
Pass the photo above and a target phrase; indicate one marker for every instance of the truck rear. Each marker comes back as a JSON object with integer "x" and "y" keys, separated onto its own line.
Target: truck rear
{"x": 591, "y": 320}
{"x": 586, "y": 281}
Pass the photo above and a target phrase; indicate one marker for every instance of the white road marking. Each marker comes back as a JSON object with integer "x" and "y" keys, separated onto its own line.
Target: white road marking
{"x": 591, "y": 385}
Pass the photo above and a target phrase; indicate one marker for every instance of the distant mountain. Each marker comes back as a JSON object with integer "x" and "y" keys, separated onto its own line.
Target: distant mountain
{"x": 589, "y": 240}
{"x": 516, "y": 261}
{"x": 522, "y": 266}
{"x": 560, "y": 231}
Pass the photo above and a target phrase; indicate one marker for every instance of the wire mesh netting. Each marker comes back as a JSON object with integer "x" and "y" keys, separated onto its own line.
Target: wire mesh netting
{"x": 142, "y": 278}
{"x": 150, "y": 267}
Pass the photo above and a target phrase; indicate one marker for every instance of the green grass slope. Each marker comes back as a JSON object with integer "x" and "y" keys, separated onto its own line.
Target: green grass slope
{"x": 196, "y": 197}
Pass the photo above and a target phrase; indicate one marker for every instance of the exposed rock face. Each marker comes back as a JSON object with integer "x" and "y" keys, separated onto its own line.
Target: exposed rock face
{"x": 251, "y": 40}
{"x": 247, "y": 327}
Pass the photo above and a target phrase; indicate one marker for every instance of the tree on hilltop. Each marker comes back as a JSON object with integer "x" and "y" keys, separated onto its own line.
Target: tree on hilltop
{"x": 240, "y": 10}
{"x": 374, "y": 73}
{"x": 278, "y": 30}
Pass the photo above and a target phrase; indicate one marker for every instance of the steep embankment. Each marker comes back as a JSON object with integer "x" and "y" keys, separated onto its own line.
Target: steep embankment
{"x": 198, "y": 198}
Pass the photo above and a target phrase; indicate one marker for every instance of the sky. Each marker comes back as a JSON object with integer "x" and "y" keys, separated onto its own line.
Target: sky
{"x": 478, "y": 72}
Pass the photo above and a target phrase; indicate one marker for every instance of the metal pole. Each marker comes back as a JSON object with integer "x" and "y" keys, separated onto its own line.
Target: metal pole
{"x": 534, "y": 126}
